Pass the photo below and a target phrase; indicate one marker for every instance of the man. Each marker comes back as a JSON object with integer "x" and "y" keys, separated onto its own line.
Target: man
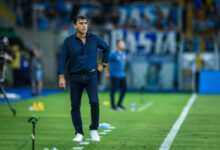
{"x": 36, "y": 70}
{"x": 80, "y": 52}
{"x": 6, "y": 55}
{"x": 117, "y": 74}
{"x": 5, "y": 50}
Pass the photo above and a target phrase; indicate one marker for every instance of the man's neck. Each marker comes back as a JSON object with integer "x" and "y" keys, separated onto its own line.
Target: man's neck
{"x": 119, "y": 51}
{"x": 80, "y": 35}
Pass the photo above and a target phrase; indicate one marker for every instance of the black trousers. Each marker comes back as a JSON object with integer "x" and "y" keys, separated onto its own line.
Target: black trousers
{"x": 118, "y": 83}
{"x": 78, "y": 83}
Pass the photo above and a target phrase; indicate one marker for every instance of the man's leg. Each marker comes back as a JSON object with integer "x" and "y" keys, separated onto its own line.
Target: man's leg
{"x": 76, "y": 89}
{"x": 39, "y": 74}
{"x": 92, "y": 90}
{"x": 123, "y": 87}
{"x": 112, "y": 92}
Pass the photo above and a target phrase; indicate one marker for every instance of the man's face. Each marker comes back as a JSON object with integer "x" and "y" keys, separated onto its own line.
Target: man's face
{"x": 121, "y": 45}
{"x": 81, "y": 26}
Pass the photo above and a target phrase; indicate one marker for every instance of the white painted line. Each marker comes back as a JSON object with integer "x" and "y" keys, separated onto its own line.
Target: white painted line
{"x": 88, "y": 139}
{"x": 171, "y": 135}
{"x": 107, "y": 130}
{"x": 145, "y": 106}
{"x": 77, "y": 148}
{"x": 84, "y": 143}
{"x": 101, "y": 133}
{"x": 112, "y": 127}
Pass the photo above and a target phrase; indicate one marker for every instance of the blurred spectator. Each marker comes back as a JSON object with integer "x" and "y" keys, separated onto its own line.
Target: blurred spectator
{"x": 42, "y": 21}
{"x": 52, "y": 14}
{"x": 26, "y": 6}
{"x": 6, "y": 55}
{"x": 206, "y": 24}
{"x": 75, "y": 9}
{"x": 19, "y": 15}
{"x": 200, "y": 19}
{"x": 111, "y": 14}
{"x": 173, "y": 15}
{"x": 65, "y": 32}
{"x": 114, "y": 15}
{"x": 161, "y": 22}
{"x": 36, "y": 70}
{"x": 99, "y": 19}
{"x": 145, "y": 23}
{"x": 16, "y": 65}
{"x": 210, "y": 42}
{"x": 24, "y": 69}
{"x": 6, "y": 48}
{"x": 212, "y": 17}
{"x": 195, "y": 43}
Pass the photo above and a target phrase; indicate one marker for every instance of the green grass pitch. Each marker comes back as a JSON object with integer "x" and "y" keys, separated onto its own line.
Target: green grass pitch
{"x": 144, "y": 130}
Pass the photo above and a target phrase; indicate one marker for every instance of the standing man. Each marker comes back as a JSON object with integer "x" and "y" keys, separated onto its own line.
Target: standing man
{"x": 117, "y": 74}
{"x": 36, "y": 70}
{"x": 80, "y": 52}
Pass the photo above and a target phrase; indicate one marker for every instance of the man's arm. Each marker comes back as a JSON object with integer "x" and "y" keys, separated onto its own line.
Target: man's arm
{"x": 62, "y": 81}
{"x": 62, "y": 65}
{"x": 106, "y": 51}
{"x": 107, "y": 71}
{"x": 37, "y": 54}
{"x": 6, "y": 57}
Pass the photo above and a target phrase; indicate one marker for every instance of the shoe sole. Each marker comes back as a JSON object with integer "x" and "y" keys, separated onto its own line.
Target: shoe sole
{"x": 95, "y": 141}
{"x": 78, "y": 141}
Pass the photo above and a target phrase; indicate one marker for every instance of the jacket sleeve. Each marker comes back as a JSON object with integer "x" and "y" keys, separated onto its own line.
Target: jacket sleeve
{"x": 106, "y": 50}
{"x": 63, "y": 58}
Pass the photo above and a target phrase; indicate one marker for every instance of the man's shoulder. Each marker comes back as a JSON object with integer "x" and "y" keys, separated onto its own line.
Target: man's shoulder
{"x": 69, "y": 37}
{"x": 95, "y": 36}
{"x": 114, "y": 52}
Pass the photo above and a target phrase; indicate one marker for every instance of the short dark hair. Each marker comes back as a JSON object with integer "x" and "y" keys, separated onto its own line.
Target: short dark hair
{"x": 118, "y": 41}
{"x": 79, "y": 17}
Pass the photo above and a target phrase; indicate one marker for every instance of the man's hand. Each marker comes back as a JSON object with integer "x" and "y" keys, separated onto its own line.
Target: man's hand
{"x": 6, "y": 57}
{"x": 62, "y": 82}
{"x": 100, "y": 68}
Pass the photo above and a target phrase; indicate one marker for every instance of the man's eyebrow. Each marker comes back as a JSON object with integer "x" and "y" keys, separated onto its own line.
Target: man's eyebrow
{"x": 83, "y": 22}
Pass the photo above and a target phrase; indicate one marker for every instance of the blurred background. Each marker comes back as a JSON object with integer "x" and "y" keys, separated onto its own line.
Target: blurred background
{"x": 171, "y": 45}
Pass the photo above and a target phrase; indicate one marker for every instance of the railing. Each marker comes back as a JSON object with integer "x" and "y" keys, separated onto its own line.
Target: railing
{"x": 190, "y": 63}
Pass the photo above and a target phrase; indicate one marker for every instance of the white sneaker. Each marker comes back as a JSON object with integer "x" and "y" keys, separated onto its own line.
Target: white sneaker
{"x": 94, "y": 135}
{"x": 78, "y": 138}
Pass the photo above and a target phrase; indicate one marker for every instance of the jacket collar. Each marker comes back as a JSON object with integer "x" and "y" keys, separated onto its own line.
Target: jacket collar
{"x": 87, "y": 34}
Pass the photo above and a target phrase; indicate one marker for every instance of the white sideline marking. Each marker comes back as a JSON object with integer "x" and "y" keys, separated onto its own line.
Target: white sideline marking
{"x": 171, "y": 135}
{"x": 88, "y": 139}
{"x": 77, "y": 148}
{"x": 107, "y": 130}
{"x": 145, "y": 106}
{"x": 84, "y": 143}
{"x": 112, "y": 127}
{"x": 101, "y": 133}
